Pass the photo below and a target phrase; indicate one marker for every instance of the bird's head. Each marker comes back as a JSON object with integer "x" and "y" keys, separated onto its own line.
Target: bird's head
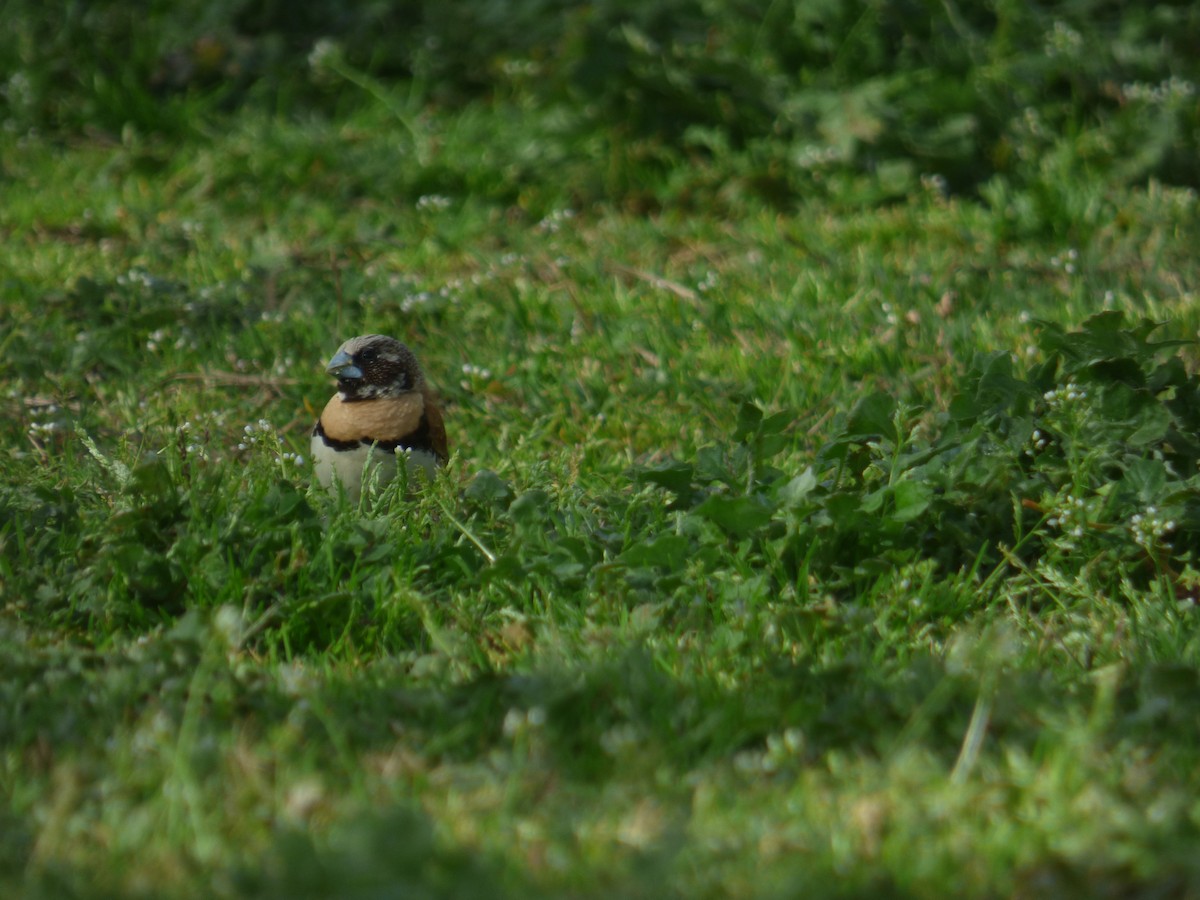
{"x": 371, "y": 366}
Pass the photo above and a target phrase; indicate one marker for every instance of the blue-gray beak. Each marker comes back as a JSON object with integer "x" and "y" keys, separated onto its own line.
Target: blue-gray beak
{"x": 343, "y": 367}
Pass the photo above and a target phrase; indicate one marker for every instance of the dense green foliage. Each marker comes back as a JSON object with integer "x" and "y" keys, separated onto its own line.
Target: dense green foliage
{"x": 778, "y": 100}
{"x": 825, "y": 479}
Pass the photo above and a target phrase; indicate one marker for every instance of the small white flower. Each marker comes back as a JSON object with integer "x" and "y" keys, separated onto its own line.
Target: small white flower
{"x": 473, "y": 371}
{"x": 553, "y": 223}
{"x": 433, "y": 203}
{"x": 514, "y": 722}
{"x": 323, "y": 55}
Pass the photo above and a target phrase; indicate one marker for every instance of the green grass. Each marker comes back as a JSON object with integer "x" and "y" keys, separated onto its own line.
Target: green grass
{"x": 749, "y": 575}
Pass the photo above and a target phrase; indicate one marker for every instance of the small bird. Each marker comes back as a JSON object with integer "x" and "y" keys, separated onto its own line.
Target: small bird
{"x": 382, "y": 406}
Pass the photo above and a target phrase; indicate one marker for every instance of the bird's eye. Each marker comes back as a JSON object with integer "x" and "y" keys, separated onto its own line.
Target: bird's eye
{"x": 368, "y": 355}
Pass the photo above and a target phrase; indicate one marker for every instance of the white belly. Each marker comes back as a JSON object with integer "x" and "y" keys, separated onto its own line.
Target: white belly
{"x": 364, "y": 465}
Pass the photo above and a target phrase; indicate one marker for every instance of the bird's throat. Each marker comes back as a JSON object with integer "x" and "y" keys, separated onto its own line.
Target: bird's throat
{"x": 382, "y": 419}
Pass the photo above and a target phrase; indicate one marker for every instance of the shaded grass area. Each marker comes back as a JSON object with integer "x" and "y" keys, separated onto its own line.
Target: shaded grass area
{"x": 682, "y": 99}
{"x": 834, "y": 550}
{"x": 827, "y": 777}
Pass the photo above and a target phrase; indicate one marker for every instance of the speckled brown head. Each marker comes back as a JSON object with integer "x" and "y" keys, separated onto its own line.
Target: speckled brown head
{"x": 375, "y": 366}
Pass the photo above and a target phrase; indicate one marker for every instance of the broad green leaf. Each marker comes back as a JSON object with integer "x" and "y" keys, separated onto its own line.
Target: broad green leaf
{"x": 777, "y": 423}
{"x": 796, "y": 491}
{"x": 911, "y": 498}
{"x": 1153, "y": 424}
{"x": 489, "y": 489}
{"x": 749, "y": 418}
{"x": 874, "y": 501}
{"x": 151, "y": 477}
{"x": 873, "y": 415}
{"x": 667, "y": 551}
{"x": 530, "y": 508}
{"x": 1146, "y": 478}
{"x": 738, "y": 516}
{"x": 673, "y": 475}
{"x": 713, "y": 466}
